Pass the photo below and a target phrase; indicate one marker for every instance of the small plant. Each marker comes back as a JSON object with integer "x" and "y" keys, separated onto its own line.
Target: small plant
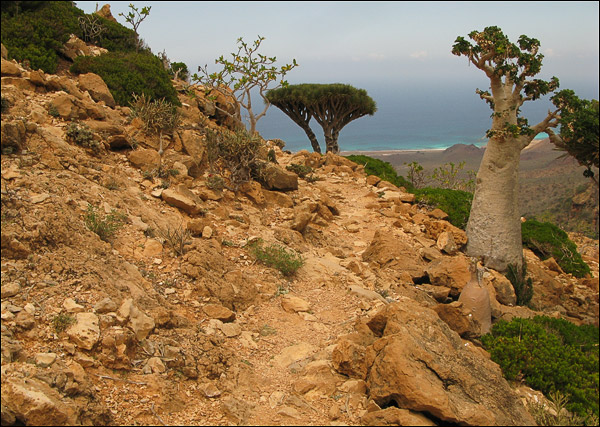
{"x": 522, "y": 285}
{"x": 267, "y": 330}
{"x": 53, "y": 111}
{"x": 278, "y": 257}
{"x": 282, "y": 289}
{"x": 233, "y": 155}
{"x": 215, "y": 183}
{"x": 175, "y": 237}
{"x": 82, "y": 135}
{"x": 61, "y": 322}
{"x": 416, "y": 176}
{"x": 556, "y": 413}
{"x": 112, "y": 185}
{"x": 446, "y": 176}
{"x": 104, "y": 226}
{"x": 5, "y": 105}
{"x": 383, "y": 170}
{"x": 300, "y": 170}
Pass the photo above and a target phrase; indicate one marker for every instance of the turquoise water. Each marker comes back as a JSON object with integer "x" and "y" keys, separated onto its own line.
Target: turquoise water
{"x": 403, "y": 122}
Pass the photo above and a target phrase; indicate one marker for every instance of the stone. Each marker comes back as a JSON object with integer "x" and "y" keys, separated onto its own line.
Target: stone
{"x": 396, "y": 417}
{"x": 43, "y": 360}
{"x": 293, "y": 304}
{"x": 292, "y": 354}
{"x": 505, "y": 292}
{"x": 274, "y": 177}
{"x": 446, "y": 243}
{"x": 459, "y": 319}
{"x": 106, "y": 305}
{"x": 140, "y": 323}
{"x": 155, "y": 365}
{"x": 231, "y": 330}
{"x": 98, "y": 90}
{"x": 71, "y": 306}
{"x": 85, "y": 332}
{"x": 217, "y": 311}
{"x": 9, "y": 68}
{"x": 152, "y": 248}
{"x": 145, "y": 159}
{"x": 451, "y": 272}
{"x": 209, "y": 390}
{"x": 33, "y": 402}
{"x": 182, "y": 198}
{"x": 389, "y": 251}
{"x": 10, "y": 289}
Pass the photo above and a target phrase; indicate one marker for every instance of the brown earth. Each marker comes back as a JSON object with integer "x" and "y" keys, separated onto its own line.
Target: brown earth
{"x": 205, "y": 334}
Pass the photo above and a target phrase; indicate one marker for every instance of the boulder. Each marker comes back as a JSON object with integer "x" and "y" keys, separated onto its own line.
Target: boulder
{"x": 97, "y": 89}
{"x": 9, "y": 68}
{"x": 420, "y": 364}
{"x": 145, "y": 159}
{"x": 451, "y": 272}
{"x": 274, "y": 177}
{"x": 389, "y": 251}
{"x": 183, "y": 198}
{"x": 85, "y": 333}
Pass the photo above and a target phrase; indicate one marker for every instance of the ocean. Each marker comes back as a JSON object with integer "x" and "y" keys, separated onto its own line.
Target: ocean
{"x": 405, "y": 120}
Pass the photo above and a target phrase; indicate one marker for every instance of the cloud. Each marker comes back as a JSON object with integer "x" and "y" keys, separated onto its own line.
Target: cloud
{"x": 419, "y": 55}
{"x": 369, "y": 57}
{"x": 549, "y": 53}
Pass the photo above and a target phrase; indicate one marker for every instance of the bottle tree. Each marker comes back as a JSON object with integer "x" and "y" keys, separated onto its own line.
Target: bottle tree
{"x": 494, "y": 227}
{"x": 333, "y": 106}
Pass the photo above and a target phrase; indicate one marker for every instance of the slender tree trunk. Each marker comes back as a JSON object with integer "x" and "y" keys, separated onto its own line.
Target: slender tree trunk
{"x": 331, "y": 143}
{"x": 494, "y": 227}
{"x": 311, "y": 137}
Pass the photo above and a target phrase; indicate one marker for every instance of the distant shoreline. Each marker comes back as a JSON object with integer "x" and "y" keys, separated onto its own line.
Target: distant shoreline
{"x": 390, "y": 152}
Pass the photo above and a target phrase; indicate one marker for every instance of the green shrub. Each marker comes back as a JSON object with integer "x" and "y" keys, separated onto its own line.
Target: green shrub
{"x": 383, "y": 170}
{"x": 456, "y": 203}
{"x": 278, "y": 257}
{"x": 104, "y": 226}
{"x": 82, "y": 135}
{"x": 38, "y": 31}
{"x": 549, "y": 355}
{"x": 129, "y": 74}
{"x": 547, "y": 240}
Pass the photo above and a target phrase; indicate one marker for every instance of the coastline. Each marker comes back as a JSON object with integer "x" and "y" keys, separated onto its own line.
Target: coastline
{"x": 391, "y": 152}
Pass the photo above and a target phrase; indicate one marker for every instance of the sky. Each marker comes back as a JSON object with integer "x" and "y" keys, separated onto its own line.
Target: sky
{"x": 386, "y": 48}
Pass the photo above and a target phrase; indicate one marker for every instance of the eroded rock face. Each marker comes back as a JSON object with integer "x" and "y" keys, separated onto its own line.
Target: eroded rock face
{"x": 421, "y": 365}
{"x": 389, "y": 251}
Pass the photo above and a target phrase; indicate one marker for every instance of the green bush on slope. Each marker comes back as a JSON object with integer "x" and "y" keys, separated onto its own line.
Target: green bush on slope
{"x": 131, "y": 73}
{"x": 547, "y": 240}
{"x": 549, "y": 355}
{"x": 383, "y": 170}
{"x": 456, "y": 203}
{"x": 37, "y": 31}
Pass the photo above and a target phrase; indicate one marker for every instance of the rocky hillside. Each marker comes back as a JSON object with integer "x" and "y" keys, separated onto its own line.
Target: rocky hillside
{"x": 171, "y": 319}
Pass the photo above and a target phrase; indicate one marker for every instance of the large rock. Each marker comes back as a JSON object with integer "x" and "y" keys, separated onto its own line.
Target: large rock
{"x": 389, "y": 251}
{"x": 30, "y": 401}
{"x": 146, "y": 159}
{"x": 183, "y": 198}
{"x": 421, "y": 365}
{"x": 85, "y": 333}
{"x": 140, "y": 323}
{"x": 97, "y": 89}
{"x": 11, "y": 69}
{"x": 451, "y": 272}
{"x": 274, "y": 177}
